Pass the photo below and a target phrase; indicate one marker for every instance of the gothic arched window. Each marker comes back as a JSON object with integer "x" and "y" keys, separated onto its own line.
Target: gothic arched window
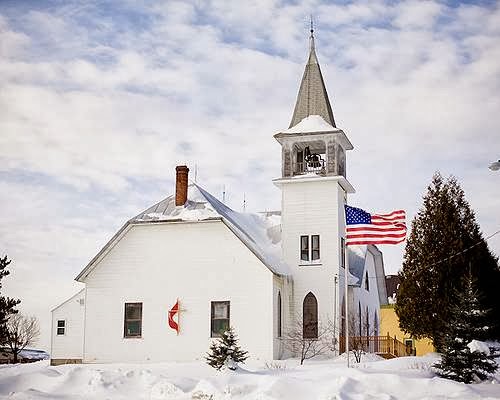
{"x": 360, "y": 323}
{"x": 342, "y": 317}
{"x": 279, "y": 314}
{"x": 310, "y": 317}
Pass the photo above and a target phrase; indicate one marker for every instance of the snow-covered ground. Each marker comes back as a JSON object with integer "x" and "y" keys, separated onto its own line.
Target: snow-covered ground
{"x": 400, "y": 378}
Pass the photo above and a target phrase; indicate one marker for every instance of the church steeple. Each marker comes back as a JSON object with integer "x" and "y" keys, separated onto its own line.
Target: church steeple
{"x": 312, "y": 98}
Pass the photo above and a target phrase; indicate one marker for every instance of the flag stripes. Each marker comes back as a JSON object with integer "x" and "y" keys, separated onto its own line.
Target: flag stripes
{"x": 365, "y": 228}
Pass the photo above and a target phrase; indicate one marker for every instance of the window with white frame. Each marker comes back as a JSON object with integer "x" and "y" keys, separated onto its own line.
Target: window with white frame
{"x": 132, "y": 326}
{"x": 61, "y": 326}
{"x": 219, "y": 318}
{"x": 309, "y": 248}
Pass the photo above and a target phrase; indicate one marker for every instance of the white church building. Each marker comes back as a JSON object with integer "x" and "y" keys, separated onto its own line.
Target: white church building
{"x": 179, "y": 273}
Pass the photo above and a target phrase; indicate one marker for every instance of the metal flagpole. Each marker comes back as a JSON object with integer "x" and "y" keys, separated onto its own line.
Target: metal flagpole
{"x": 346, "y": 272}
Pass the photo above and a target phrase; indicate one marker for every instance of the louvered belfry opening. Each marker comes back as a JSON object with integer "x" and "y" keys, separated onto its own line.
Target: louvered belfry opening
{"x": 310, "y": 317}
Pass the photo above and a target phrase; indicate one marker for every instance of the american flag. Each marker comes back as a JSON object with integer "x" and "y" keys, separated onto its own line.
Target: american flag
{"x": 365, "y": 228}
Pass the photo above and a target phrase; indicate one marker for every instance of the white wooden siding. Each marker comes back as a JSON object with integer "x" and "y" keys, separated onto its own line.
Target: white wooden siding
{"x": 156, "y": 264}
{"x": 313, "y": 208}
{"x": 367, "y": 298}
{"x": 69, "y": 345}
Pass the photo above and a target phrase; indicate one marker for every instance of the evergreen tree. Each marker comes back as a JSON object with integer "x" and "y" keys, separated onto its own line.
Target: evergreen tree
{"x": 7, "y": 305}
{"x": 225, "y": 352}
{"x": 444, "y": 244}
{"x": 460, "y": 360}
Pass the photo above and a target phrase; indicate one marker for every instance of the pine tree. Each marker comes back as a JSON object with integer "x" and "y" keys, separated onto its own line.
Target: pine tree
{"x": 225, "y": 352}
{"x": 445, "y": 226}
{"x": 7, "y": 305}
{"x": 460, "y": 361}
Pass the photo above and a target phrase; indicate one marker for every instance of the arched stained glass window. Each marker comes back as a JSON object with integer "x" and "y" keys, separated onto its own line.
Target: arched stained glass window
{"x": 310, "y": 317}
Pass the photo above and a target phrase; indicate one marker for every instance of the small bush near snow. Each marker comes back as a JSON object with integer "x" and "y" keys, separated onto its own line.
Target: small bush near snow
{"x": 225, "y": 352}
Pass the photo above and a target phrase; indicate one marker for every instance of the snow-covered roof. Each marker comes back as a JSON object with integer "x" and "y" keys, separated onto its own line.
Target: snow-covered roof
{"x": 357, "y": 257}
{"x": 357, "y": 261}
{"x": 257, "y": 231}
{"x": 197, "y": 208}
{"x": 311, "y": 123}
{"x": 261, "y": 233}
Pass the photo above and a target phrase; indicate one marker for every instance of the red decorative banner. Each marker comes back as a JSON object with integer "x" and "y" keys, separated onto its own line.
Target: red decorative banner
{"x": 174, "y": 310}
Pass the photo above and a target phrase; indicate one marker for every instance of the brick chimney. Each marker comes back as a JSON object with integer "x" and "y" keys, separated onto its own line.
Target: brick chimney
{"x": 181, "y": 184}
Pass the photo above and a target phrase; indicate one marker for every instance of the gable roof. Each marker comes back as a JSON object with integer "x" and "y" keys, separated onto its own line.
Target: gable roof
{"x": 312, "y": 98}
{"x": 258, "y": 233}
{"x": 77, "y": 294}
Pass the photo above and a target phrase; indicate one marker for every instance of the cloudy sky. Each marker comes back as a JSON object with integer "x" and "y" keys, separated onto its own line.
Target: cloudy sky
{"x": 99, "y": 100}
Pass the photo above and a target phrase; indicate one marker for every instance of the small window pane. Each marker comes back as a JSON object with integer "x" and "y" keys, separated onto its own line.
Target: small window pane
{"x": 219, "y": 327}
{"x": 133, "y": 328}
{"x": 304, "y": 248}
{"x": 220, "y": 310}
{"x": 133, "y": 311}
{"x": 315, "y": 247}
{"x": 60, "y": 331}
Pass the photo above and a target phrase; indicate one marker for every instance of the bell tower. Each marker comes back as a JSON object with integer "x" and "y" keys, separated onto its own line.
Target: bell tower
{"x": 313, "y": 143}
{"x": 314, "y": 190}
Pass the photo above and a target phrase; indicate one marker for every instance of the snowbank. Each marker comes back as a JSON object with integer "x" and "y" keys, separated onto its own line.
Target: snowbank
{"x": 401, "y": 378}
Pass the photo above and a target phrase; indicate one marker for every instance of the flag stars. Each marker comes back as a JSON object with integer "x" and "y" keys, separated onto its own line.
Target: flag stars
{"x": 357, "y": 216}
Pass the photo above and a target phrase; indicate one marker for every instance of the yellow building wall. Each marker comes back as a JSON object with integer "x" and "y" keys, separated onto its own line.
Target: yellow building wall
{"x": 389, "y": 324}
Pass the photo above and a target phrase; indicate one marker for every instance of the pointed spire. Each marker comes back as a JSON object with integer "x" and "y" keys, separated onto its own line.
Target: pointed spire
{"x": 312, "y": 98}
{"x": 311, "y": 38}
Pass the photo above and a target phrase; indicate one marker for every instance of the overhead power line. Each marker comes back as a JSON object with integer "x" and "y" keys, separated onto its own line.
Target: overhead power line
{"x": 465, "y": 250}
{"x": 456, "y": 254}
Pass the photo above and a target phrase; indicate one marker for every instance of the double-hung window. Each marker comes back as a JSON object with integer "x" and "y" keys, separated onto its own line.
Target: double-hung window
{"x": 219, "y": 318}
{"x": 309, "y": 248}
{"x": 61, "y": 326}
{"x": 133, "y": 320}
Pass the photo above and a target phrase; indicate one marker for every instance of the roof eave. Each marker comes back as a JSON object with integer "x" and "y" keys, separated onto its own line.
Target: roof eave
{"x": 67, "y": 300}
{"x": 342, "y": 137}
{"x": 343, "y": 182}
